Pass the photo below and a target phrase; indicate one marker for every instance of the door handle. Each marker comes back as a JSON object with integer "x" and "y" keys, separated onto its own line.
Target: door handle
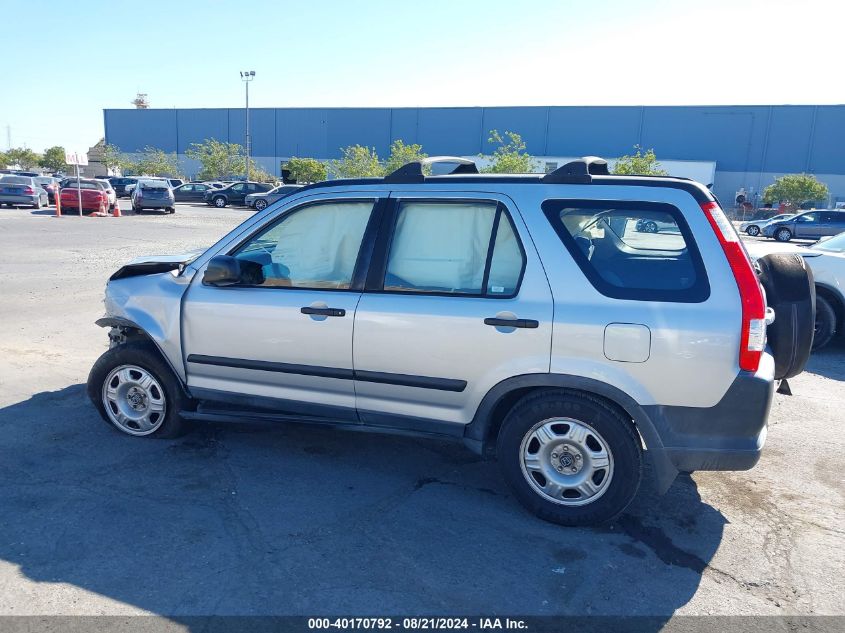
{"x": 333, "y": 312}
{"x": 521, "y": 323}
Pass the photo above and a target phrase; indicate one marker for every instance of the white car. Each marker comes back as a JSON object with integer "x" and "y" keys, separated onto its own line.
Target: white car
{"x": 754, "y": 227}
{"x": 110, "y": 192}
{"x": 827, "y": 261}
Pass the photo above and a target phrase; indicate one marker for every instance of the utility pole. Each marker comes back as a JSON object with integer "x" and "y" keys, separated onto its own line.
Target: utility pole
{"x": 8, "y": 137}
{"x": 246, "y": 77}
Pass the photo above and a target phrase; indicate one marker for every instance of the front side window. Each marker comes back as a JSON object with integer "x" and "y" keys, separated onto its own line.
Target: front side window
{"x": 463, "y": 248}
{"x": 632, "y": 250}
{"x": 808, "y": 217}
{"x": 315, "y": 247}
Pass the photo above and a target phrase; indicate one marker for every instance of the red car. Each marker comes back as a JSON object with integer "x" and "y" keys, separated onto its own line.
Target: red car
{"x": 93, "y": 198}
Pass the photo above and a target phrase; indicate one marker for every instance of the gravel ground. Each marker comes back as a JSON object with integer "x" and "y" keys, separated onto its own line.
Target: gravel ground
{"x": 235, "y": 519}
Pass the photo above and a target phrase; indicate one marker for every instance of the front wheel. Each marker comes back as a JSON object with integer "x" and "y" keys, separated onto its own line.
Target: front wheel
{"x": 136, "y": 392}
{"x": 783, "y": 235}
{"x": 570, "y": 458}
{"x": 753, "y": 230}
{"x": 651, "y": 227}
{"x": 260, "y": 204}
{"x": 219, "y": 202}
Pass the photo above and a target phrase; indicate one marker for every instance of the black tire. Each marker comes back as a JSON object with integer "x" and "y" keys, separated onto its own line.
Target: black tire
{"x": 651, "y": 227}
{"x": 219, "y": 201}
{"x": 791, "y": 293}
{"x": 260, "y": 205}
{"x": 171, "y": 209}
{"x": 615, "y": 430}
{"x": 753, "y": 230}
{"x": 145, "y": 355}
{"x": 783, "y": 235}
{"x": 825, "y": 323}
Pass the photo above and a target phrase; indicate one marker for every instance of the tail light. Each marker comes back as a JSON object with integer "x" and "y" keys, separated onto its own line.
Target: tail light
{"x": 753, "y": 337}
{"x": 28, "y": 191}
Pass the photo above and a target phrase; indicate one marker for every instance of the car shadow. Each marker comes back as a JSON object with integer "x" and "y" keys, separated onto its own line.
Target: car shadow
{"x": 296, "y": 520}
{"x": 830, "y": 360}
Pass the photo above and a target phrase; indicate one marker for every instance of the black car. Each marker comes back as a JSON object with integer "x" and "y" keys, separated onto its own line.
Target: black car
{"x": 235, "y": 193}
{"x": 119, "y": 185}
{"x": 192, "y": 192}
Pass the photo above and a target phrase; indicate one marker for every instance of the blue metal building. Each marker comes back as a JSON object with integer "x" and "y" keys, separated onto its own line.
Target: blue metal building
{"x": 750, "y": 145}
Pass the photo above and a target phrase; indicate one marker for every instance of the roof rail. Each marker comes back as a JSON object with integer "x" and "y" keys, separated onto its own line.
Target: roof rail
{"x": 413, "y": 172}
{"x": 578, "y": 171}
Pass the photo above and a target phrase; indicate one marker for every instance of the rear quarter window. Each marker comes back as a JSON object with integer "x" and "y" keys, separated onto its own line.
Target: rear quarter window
{"x": 642, "y": 251}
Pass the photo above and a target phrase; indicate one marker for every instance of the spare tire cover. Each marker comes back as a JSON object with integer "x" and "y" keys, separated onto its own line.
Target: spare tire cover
{"x": 791, "y": 293}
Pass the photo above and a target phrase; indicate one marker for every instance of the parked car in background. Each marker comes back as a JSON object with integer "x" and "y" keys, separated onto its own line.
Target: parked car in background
{"x": 22, "y": 190}
{"x": 217, "y": 184}
{"x": 191, "y": 192}
{"x": 175, "y": 182}
{"x": 153, "y": 193}
{"x": 93, "y": 195}
{"x": 754, "y": 227}
{"x": 110, "y": 192}
{"x": 655, "y": 225}
{"x": 235, "y": 193}
{"x": 119, "y": 184}
{"x": 827, "y": 261}
{"x": 261, "y": 201}
{"x": 808, "y": 225}
{"x": 50, "y": 185}
{"x": 111, "y": 196}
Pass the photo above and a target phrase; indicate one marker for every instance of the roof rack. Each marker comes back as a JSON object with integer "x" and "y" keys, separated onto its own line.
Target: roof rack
{"x": 578, "y": 171}
{"x": 413, "y": 172}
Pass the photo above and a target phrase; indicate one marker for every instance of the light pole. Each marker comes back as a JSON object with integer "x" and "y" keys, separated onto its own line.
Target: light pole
{"x": 246, "y": 77}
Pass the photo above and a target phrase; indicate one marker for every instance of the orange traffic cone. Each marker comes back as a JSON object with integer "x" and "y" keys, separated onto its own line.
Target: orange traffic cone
{"x": 116, "y": 210}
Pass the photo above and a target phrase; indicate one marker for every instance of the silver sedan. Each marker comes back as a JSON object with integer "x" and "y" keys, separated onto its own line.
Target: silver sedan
{"x": 261, "y": 201}
{"x": 23, "y": 190}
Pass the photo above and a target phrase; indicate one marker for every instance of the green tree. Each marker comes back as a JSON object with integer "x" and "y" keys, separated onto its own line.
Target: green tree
{"x": 306, "y": 169}
{"x": 157, "y": 162}
{"x": 402, "y": 154}
{"x": 796, "y": 189}
{"x": 4, "y": 160}
{"x": 638, "y": 164}
{"x": 23, "y": 157}
{"x": 114, "y": 160}
{"x": 53, "y": 158}
{"x": 510, "y": 156}
{"x": 219, "y": 160}
{"x": 357, "y": 162}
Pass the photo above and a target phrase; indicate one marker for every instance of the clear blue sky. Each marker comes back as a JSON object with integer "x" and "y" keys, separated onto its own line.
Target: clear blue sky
{"x": 332, "y": 53}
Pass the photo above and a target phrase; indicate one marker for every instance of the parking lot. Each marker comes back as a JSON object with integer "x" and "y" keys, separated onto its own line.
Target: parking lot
{"x": 238, "y": 519}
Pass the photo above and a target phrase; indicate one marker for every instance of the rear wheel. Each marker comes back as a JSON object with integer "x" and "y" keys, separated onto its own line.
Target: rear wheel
{"x": 753, "y": 230}
{"x": 219, "y": 202}
{"x": 825, "y": 325}
{"x": 171, "y": 209}
{"x": 783, "y": 235}
{"x": 136, "y": 392}
{"x": 570, "y": 458}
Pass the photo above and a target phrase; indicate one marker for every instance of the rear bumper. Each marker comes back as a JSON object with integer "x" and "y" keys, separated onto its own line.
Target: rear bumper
{"x": 6, "y": 198}
{"x": 727, "y": 436}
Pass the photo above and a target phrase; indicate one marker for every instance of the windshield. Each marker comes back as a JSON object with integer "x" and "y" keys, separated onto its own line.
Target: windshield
{"x": 154, "y": 184}
{"x": 835, "y": 244}
{"x": 16, "y": 180}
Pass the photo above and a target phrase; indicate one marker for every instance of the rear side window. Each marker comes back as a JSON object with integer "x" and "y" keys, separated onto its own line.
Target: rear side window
{"x": 454, "y": 248}
{"x": 642, "y": 251}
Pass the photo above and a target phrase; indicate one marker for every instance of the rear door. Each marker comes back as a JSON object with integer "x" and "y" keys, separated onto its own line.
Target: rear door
{"x": 283, "y": 337}
{"x": 808, "y": 225}
{"x": 833, "y": 223}
{"x": 456, "y": 301}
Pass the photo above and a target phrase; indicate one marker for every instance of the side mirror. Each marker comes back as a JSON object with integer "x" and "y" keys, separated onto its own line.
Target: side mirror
{"x": 222, "y": 270}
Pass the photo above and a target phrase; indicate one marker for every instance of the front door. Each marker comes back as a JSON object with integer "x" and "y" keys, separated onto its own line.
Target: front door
{"x": 808, "y": 225}
{"x": 456, "y": 301}
{"x": 284, "y": 335}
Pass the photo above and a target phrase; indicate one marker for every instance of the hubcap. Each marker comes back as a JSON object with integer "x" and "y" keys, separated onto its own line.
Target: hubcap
{"x": 566, "y": 461}
{"x": 219, "y": 202}
{"x": 260, "y": 205}
{"x": 134, "y": 400}
{"x": 753, "y": 230}
{"x": 783, "y": 234}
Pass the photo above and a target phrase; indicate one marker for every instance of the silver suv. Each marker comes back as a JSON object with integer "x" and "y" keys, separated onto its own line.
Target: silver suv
{"x": 524, "y": 315}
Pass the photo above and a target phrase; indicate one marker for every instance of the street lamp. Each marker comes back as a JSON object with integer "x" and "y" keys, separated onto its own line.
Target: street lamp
{"x": 246, "y": 77}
